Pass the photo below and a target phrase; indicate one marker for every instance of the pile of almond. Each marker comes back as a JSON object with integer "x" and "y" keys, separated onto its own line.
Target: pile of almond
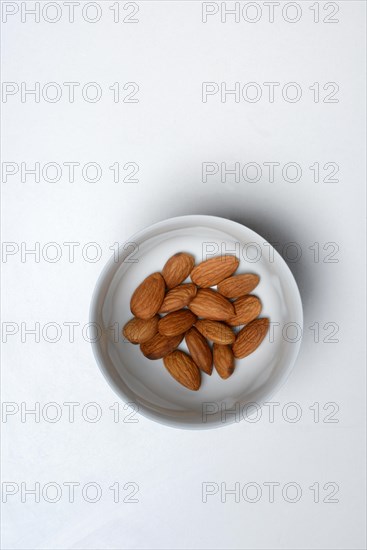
{"x": 198, "y": 313}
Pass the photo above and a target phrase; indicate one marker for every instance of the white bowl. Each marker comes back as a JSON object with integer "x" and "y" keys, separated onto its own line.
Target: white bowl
{"x": 147, "y": 383}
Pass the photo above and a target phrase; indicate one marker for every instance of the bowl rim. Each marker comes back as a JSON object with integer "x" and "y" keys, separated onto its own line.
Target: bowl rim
{"x": 100, "y": 290}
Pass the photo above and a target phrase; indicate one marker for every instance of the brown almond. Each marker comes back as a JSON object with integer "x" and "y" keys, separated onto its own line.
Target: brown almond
{"x": 138, "y": 331}
{"x": 177, "y": 322}
{"x": 213, "y": 271}
{"x": 177, "y": 268}
{"x": 250, "y": 337}
{"x": 178, "y": 297}
{"x": 215, "y": 331}
{"x": 159, "y": 346}
{"x": 247, "y": 308}
{"x": 238, "y": 285}
{"x": 223, "y": 360}
{"x": 183, "y": 369}
{"x": 148, "y": 297}
{"x": 211, "y": 305}
{"x": 199, "y": 350}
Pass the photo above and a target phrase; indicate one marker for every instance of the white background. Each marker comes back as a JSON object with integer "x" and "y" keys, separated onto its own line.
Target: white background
{"x": 169, "y": 133}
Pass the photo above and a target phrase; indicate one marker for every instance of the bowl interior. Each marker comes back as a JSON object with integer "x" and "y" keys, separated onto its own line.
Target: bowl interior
{"x": 147, "y": 383}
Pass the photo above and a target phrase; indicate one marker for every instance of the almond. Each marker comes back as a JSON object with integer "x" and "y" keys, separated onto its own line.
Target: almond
{"x": 148, "y": 297}
{"x": 211, "y": 305}
{"x": 223, "y": 360}
{"x": 138, "y": 331}
{"x": 183, "y": 369}
{"x": 250, "y": 337}
{"x": 177, "y": 268}
{"x": 159, "y": 346}
{"x": 238, "y": 285}
{"x": 177, "y": 322}
{"x": 213, "y": 271}
{"x": 215, "y": 331}
{"x": 178, "y": 297}
{"x": 199, "y": 350}
{"x": 247, "y": 308}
